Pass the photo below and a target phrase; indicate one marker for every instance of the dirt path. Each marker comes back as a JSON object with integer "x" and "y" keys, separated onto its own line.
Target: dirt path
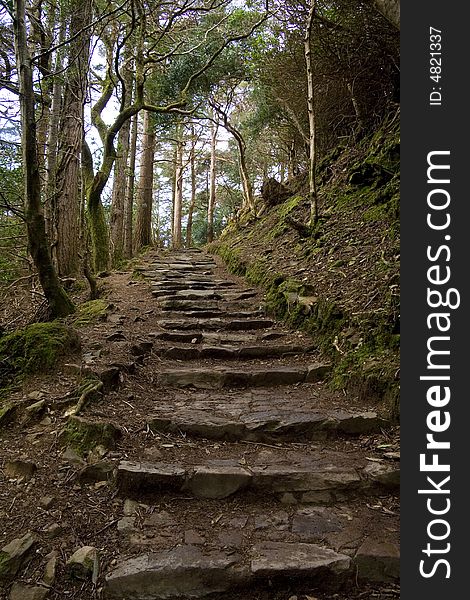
{"x": 213, "y": 460}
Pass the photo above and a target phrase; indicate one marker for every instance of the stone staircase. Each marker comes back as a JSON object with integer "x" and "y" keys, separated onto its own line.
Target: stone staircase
{"x": 277, "y": 493}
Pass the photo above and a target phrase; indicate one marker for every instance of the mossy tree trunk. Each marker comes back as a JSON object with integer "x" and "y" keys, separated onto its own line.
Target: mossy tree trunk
{"x": 59, "y": 303}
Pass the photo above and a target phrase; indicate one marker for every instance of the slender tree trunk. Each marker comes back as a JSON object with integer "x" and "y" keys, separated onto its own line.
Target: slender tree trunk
{"x": 212, "y": 176}
{"x": 52, "y": 143}
{"x": 143, "y": 228}
{"x": 58, "y": 301}
{"x": 192, "y": 205}
{"x": 312, "y": 163}
{"x": 68, "y": 197}
{"x": 178, "y": 196}
{"x": 129, "y": 203}
{"x": 120, "y": 176}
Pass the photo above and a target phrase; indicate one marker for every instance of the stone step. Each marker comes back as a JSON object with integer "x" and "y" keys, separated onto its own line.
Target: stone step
{"x": 225, "y": 377}
{"x": 230, "y": 352}
{"x": 188, "y": 305}
{"x": 228, "y": 526}
{"x": 192, "y": 572}
{"x": 216, "y": 338}
{"x": 190, "y": 284}
{"x": 218, "y": 314}
{"x": 266, "y": 419}
{"x": 323, "y": 477}
{"x": 186, "y": 294}
{"x": 216, "y": 324}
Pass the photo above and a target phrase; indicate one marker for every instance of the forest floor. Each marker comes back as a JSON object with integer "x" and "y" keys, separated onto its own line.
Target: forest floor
{"x": 212, "y": 444}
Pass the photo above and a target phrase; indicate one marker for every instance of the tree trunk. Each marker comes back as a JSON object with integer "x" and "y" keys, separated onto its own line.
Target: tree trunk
{"x": 120, "y": 177}
{"x": 312, "y": 161}
{"x": 143, "y": 228}
{"x": 192, "y": 205}
{"x": 178, "y": 196}
{"x": 67, "y": 200}
{"x": 129, "y": 203}
{"x": 212, "y": 175}
{"x": 58, "y": 301}
{"x": 52, "y": 143}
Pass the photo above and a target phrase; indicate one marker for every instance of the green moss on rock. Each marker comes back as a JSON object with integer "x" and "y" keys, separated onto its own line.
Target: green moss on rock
{"x": 35, "y": 348}
{"x": 85, "y": 434}
{"x": 90, "y": 312}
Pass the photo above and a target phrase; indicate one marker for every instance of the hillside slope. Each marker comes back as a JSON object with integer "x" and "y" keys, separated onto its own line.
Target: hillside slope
{"x": 341, "y": 282}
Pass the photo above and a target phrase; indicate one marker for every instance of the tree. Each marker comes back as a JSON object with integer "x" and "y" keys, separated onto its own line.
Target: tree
{"x": 212, "y": 179}
{"x": 58, "y": 301}
{"x": 312, "y": 158}
{"x": 143, "y": 226}
{"x": 67, "y": 192}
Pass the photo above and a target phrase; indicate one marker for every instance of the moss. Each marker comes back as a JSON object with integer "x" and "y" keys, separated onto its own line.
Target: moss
{"x": 90, "y": 312}
{"x": 83, "y": 434}
{"x": 35, "y": 348}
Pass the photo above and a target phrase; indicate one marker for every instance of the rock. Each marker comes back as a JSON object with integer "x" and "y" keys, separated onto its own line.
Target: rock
{"x": 84, "y": 434}
{"x": 47, "y": 502}
{"x": 230, "y": 539}
{"x": 318, "y": 372}
{"x": 100, "y": 471}
{"x": 50, "y": 568}
{"x": 273, "y": 192}
{"x": 384, "y": 474}
{"x": 116, "y": 337}
{"x": 278, "y": 520}
{"x": 14, "y": 554}
{"x": 28, "y": 592}
{"x": 53, "y": 531}
{"x": 315, "y": 522}
{"x": 141, "y": 349}
{"x": 35, "y": 395}
{"x": 20, "y": 469}
{"x": 33, "y": 412}
{"x": 193, "y": 538}
{"x": 180, "y": 572}
{"x": 72, "y": 457}
{"x": 7, "y": 414}
{"x": 217, "y": 481}
{"x": 290, "y": 559}
{"x": 378, "y": 561}
{"x": 126, "y": 525}
{"x": 84, "y": 564}
{"x": 130, "y": 507}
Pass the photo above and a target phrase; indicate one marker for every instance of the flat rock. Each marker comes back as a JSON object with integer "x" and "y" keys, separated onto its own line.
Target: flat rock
{"x": 378, "y": 561}
{"x": 184, "y": 571}
{"x": 20, "y": 591}
{"x": 281, "y": 558}
{"x": 217, "y": 481}
{"x": 385, "y": 474}
{"x": 205, "y": 377}
{"x": 20, "y": 469}
{"x": 14, "y": 554}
